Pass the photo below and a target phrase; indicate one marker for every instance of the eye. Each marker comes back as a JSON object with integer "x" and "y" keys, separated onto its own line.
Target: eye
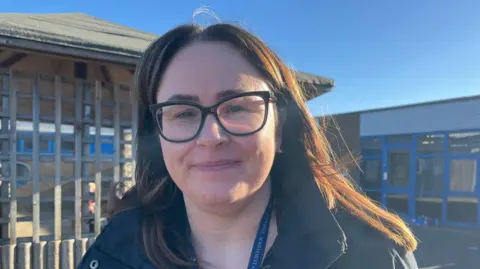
{"x": 185, "y": 114}
{"x": 237, "y": 108}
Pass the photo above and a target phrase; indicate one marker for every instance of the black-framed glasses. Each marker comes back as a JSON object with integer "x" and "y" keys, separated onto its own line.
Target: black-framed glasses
{"x": 239, "y": 115}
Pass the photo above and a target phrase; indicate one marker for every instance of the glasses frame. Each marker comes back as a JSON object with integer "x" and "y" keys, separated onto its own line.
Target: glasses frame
{"x": 267, "y": 97}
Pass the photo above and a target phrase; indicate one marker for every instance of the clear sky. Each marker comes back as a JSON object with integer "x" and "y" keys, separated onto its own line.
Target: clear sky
{"x": 380, "y": 53}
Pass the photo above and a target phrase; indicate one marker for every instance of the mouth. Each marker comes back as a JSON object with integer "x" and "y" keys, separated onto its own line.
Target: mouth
{"x": 216, "y": 165}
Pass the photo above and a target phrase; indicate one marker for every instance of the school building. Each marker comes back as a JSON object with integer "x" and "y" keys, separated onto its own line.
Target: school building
{"x": 420, "y": 160}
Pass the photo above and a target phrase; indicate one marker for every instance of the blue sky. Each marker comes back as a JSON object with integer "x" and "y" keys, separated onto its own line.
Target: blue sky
{"x": 380, "y": 53}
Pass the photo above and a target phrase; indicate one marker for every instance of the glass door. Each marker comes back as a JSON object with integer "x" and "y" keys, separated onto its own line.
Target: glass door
{"x": 397, "y": 177}
{"x": 463, "y": 191}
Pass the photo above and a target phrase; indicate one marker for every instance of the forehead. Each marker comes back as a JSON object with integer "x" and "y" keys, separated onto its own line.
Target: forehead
{"x": 204, "y": 69}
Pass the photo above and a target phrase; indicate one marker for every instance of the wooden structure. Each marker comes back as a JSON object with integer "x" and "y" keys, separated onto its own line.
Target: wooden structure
{"x": 65, "y": 78}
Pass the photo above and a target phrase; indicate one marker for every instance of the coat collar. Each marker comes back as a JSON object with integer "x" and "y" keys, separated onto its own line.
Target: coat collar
{"x": 304, "y": 220}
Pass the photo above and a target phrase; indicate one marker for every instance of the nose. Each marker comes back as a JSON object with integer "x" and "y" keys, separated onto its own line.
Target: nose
{"x": 212, "y": 134}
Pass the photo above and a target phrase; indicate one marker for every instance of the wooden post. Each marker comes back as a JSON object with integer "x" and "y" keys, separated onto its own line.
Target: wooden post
{"x": 57, "y": 226}
{"x": 5, "y": 188}
{"x": 98, "y": 149}
{"x": 13, "y": 162}
{"x": 116, "y": 134}
{"x": 37, "y": 250}
{"x": 36, "y": 161}
{"x": 87, "y": 115}
{"x": 134, "y": 132}
{"x": 78, "y": 160}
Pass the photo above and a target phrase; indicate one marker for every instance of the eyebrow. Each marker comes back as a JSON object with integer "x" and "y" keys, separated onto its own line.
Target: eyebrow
{"x": 194, "y": 98}
{"x": 183, "y": 97}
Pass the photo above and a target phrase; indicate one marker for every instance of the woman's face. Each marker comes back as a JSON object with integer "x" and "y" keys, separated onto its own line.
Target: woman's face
{"x": 217, "y": 167}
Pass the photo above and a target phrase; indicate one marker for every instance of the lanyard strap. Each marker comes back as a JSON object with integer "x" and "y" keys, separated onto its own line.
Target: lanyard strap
{"x": 260, "y": 243}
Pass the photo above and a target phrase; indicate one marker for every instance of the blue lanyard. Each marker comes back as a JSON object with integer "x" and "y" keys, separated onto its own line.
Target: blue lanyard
{"x": 260, "y": 243}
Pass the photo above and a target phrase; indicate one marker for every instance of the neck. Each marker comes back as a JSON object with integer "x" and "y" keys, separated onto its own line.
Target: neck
{"x": 225, "y": 239}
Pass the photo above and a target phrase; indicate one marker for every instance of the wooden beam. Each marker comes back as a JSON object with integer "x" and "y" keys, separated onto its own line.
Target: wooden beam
{"x": 106, "y": 74}
{"x": 63, "y": 57}
{"x": 78, "y": 53}
{"x": 15, "y": 58}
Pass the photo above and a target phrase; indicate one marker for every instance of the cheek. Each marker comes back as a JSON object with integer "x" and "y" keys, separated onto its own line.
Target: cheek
{"x": 173, "y": 155}
{"x": 262, "y": 143}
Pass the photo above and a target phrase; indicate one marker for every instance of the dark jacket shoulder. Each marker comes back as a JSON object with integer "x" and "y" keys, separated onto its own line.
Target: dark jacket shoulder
{"x": 119, "y": 244}
{"x": 367, "y": 247}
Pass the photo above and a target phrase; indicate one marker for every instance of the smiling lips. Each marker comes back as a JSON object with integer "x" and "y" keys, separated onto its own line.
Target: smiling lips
{"x": 219, "y": 165}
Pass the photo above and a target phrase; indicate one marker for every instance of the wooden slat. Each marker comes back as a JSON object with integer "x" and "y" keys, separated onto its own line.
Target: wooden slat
{"x": 78, "y": 161}
{"x": 39, "y": 255}
{"x": 13, "y": 160}
{"x": 80, "y": 249}
{"x": 15, "y": 58}
{"x": 8, "y": 256}
{"x": 67, "y": 254}
{"x": 98, "y": 156}
{"x": 53, "y": 254}
{"x": 116, "y": 136}
{"x": 36, "y": 162}
{"x": 57, "y": 226}
{"x": 24, "y": 259}
{"x": 134, "y": 131}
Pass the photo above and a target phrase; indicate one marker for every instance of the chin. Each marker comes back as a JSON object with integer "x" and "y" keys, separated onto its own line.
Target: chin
{"x": 222, "y": 193}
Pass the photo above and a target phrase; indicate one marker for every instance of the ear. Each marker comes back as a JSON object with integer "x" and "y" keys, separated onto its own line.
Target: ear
{"x": 282, "y": 116}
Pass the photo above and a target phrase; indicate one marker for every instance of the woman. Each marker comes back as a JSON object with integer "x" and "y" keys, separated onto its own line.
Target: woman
{"x": 232, "y": 171}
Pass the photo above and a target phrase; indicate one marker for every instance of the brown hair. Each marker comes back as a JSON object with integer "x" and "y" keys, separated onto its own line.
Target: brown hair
{"x": 304, "y": 146}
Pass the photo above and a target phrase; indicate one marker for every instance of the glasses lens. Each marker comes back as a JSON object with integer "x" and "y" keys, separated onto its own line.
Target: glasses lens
{"x": 243, "y": 114}
{"x": 179, "y": 122}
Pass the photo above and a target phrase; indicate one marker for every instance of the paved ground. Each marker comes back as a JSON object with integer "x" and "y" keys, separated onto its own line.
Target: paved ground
{"x": 448, "y": 248}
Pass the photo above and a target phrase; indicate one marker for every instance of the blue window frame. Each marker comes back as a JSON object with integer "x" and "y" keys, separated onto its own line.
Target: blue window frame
{"x": 24, "y": 146}
{"x": 436, "y": 160}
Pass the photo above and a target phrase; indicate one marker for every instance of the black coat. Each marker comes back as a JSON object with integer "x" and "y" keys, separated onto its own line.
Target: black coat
{"x": 309, "y": 237}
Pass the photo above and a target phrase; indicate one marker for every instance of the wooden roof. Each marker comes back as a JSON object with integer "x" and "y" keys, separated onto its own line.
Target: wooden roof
{"x": 84, "y": 36}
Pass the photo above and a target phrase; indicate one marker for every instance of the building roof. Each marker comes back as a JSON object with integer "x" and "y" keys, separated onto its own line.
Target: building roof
{"x": 88, "y": 37}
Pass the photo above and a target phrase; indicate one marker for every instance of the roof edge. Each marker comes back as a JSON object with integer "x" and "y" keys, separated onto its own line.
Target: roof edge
{"x": 64, "y": 50}
{"x": 313, "y": 85}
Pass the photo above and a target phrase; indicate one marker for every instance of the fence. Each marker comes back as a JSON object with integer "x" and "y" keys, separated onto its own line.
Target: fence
{"x": 54, "y": 254}
{"x": 68, "y": 140}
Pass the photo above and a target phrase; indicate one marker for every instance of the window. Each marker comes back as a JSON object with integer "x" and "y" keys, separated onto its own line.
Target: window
{"x": 28, "y": 144}
{"x": 68, "y": 147}
{"x": 107, "y": 149}
{"x": 464, "y": 143}
{"x": 463, "y": 174}
{"x": 371, "y": 178}
{"x": 430, "y": 175}
{"x": 371, "y": 146}
{"x": 399, "y": 138}
{"x": 23, "y": 171}
{"x": 399, "y": 167}
{"x": 44, "y": 145}
{"x": 430, "y": 144}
